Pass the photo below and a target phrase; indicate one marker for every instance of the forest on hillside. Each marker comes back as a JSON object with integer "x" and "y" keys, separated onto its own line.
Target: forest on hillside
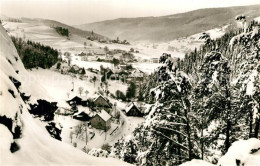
{"x": 35, "y": 54}
{"x": 62, "y": 31}
{"x": 201, "y": 104}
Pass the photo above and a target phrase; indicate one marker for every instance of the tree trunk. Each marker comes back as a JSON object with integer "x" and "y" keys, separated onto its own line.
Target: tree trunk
{"x": 227, "y": 141}
{"x": 179, "y": 148}
{"x": 189, "y": 135}
{"x": 257, "y": 124}
{"x": 202, "y": 145}
{"x": 228, "y": 117}
{"x": 250, "y": 125}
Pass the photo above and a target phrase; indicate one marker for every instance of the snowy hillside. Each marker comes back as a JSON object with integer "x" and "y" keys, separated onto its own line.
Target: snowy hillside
{"x": 22, "y": 140}
{"x": 166, "y": 28}
{"x": 243, "y": 152}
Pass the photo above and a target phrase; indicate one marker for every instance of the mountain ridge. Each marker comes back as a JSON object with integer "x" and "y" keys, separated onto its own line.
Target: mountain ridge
{"x": 169, "y": 27}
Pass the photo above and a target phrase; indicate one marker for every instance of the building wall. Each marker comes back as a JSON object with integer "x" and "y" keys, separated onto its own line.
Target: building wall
{"x": 99, "y": 123}
{"x": 100, "y": 102}
{"x": 134, "y": 112}
{"x": 84, "y": 58}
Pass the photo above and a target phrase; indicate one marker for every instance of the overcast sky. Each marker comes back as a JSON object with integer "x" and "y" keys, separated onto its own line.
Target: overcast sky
{"x": 84, "y": 11}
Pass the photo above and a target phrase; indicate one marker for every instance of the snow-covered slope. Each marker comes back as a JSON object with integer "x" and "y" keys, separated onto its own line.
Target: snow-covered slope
{"x": 36, "y": 147}
{"x": 242, "y": 152}
{"x": 195, "y": 162}
{"x": 257, "y": 19}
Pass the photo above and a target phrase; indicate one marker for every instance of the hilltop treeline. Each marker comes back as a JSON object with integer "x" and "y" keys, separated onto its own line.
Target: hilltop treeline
{"x": 62, "y": 31}
{"x": 201, "y": 104}
{"x": 193, "y": 59}
{"x": 34, "y": 54}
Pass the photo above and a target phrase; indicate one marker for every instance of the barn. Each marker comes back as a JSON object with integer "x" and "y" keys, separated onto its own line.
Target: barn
{"x": 137, "y": 75}
{"x": 100, "y": 101}
{"x": 75, "y": 100}
{"x": 82, "y": 116}
{"x": 101, "y": 120}
{"x": 132, "y": 110}
{"x": 78, "y": 101}
{"x": 82, "y": 54}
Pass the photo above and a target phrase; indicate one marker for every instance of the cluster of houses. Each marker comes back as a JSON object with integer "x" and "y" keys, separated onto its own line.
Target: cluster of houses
{"x": 107, "y": 56}
{"x": 133, "y": 75}
{"x": 92, "y": 55}
{"x": 98, "y": 112}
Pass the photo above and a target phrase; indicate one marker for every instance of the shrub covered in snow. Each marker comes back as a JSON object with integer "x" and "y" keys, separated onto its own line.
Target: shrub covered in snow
{"x": 45, "y": 109}
{"x": 98, "y": 152}
{"x": 53, "y": 130}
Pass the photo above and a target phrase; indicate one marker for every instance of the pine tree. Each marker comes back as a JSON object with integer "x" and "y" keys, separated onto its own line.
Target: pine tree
{"x": 248, "y": 81}
{"x": 166, "y": 137}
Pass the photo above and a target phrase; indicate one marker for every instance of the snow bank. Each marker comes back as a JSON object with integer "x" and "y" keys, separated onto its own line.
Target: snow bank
{"x": 5, "y": 142}
{"x": 242, "y": 152}
{"x": 195, "y": 162}
{"x": 245, "y": 152}
{"x": 213, "y": 33}
{"x": 257, "y": 19}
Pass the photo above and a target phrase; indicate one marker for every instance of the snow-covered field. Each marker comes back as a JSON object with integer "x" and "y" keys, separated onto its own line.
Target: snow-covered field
{"x": 146, "y": 50}
{"x": 90, "y": 64}
{"x": 178, "y": 47}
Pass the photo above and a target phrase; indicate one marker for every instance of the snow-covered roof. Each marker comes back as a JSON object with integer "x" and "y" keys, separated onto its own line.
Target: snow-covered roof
{"x": 99, "y": 52}
{"x": 104, "y": 115}
{"x": 129, "y": 107}
{"x": 84, "y": 98}
{"x": 97, "y": 96}
{"x": 82, "y": 54}
{"x": 137, "y": 73}
{"x": 84, "y": 109}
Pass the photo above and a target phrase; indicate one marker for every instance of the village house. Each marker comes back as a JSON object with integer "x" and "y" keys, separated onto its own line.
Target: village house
{"x": 82, "y": 54}
{"x": 92, "y": 57}
{"x": 77, "y": 101}
{"x": 117, "y": 70}
{"x": 114, "y": 76}
{"x": 82, "y": 116}
{"x": 100, "y": 101}
{"x": 155, "y": 60}
{"x": 64, "y": 111}
{"x": 84, "y": 101}
{"x": 109, "y": 57}
{"x": 99, "y": 52}
{"x": 67, "y": 54}
{"x": 74, "y": 69}
{"x": 132, "y": 110}
{"x": 101, "y": 120}
{"x": 123, "y": 66}
{"x": 136, "y": 75}
{"x": 118, "y": 56}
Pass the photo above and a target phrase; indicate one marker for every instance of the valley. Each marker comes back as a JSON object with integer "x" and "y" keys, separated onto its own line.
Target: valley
{"x": 182, "y": 92}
